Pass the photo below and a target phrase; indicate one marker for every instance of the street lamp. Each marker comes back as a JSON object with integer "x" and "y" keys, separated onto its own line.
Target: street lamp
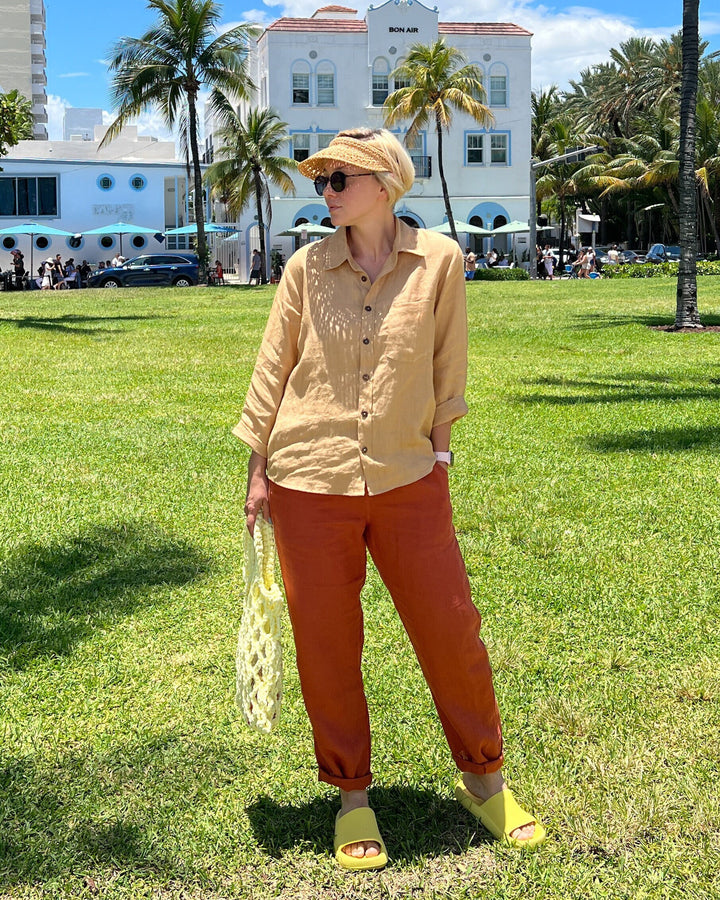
{"x": 535, "y": 164}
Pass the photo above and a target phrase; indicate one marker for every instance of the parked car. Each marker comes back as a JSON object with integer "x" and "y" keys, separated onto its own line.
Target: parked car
{"x": 176, "y": 269}
{"x": 660, "y": 253}
{"x": 625, "y": 257}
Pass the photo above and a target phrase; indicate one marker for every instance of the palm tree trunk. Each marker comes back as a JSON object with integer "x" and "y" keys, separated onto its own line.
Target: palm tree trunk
{"x": 198, "y": 203}
{"x": 686, "y": 311}
{"x": 441, "y": 170}
{"x": 261, "y": 224}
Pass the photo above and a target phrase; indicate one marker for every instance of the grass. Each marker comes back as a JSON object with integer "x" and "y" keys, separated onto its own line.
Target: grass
{"x": 586, "y": 498}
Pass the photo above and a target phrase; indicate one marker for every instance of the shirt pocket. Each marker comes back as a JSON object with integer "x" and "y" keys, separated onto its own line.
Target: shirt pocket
{"x": 407, "y": 331}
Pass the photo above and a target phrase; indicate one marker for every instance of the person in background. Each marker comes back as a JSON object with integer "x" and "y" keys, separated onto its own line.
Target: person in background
{"x": 613, "y": 255}
{"x": 360, "y": 377}
{"x": 46, "y": 270}
{"x": 470, "y": 265}
{"x": 85, "y": 271}
{"x": 219, "y": 274}
{"x": 255, "y": 268}
{"x": 18, "y": 264}
{"x": 549, "y": 262}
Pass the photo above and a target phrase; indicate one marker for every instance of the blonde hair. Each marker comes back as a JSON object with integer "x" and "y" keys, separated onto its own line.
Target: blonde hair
{"x": 400, "y": 174}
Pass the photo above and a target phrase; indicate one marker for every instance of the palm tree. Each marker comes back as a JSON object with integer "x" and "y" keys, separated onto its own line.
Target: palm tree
{"x": 166, "y": 68}
{"x": 686, "y": 311}
{"x": 438, "y": 80}
{"x": 247, "y": 160}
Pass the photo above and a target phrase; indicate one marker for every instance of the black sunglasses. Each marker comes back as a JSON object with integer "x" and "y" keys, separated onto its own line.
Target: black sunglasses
{"x": 337, "y": 181}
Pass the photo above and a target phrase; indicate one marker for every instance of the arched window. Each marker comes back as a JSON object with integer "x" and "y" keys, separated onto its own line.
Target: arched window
{"x": 325, "y": 83}
{"x": 380, "y": 81}
{"x": 498, "y": 94}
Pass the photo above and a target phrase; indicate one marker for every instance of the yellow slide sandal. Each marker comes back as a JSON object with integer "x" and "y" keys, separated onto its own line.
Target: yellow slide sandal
{"x": 358, "y": 825}
{"x": 501, "y": 815}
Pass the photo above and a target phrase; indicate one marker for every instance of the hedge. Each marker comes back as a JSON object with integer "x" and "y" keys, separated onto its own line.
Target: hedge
{"x": 501, "y": 274}
{"x": 653, "y": 270}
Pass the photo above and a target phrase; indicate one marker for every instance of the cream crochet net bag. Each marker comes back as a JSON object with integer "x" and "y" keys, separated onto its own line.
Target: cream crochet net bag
{"x": 259, "y": 651}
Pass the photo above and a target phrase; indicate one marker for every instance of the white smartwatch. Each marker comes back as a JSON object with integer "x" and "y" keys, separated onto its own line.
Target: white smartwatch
{"x": 446, "y": 456}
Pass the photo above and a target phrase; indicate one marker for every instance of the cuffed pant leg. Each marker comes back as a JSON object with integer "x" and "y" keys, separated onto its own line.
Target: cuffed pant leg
{"x": 412, "y": 541}
{"x": 322, "y": 557}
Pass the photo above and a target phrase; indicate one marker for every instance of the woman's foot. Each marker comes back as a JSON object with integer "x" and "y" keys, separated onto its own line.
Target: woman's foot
{"x": 350, "y": 800}
{"x": 486, "y": 786}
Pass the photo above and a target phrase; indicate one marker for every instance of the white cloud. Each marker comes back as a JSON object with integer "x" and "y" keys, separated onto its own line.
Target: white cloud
{"x": 74, "y": 75}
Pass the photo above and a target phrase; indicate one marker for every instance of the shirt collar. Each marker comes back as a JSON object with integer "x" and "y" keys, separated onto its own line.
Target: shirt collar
{"x": 337, "y": 251}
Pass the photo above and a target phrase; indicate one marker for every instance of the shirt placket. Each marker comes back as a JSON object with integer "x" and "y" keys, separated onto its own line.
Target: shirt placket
{"x": 366, "y": 371}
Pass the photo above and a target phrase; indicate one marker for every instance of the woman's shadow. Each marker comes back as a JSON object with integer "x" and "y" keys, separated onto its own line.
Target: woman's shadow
{"x": 414, "y": 824}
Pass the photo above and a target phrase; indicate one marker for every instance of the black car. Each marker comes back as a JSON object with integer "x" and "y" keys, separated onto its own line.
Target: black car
{"x": 660, "y": 253}
{"x": 176, "y": 269}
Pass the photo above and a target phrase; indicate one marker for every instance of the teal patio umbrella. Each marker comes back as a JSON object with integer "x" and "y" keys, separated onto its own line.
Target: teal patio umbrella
{"x": 121, "y": 228}
{"x": 306, "y": 228}
{"x": 210, "y": 228}
{"x": 34, "y": 229}
{"x": 460, "y": 228}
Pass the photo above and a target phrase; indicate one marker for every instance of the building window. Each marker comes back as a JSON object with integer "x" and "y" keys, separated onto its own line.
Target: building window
{"x": 107, "y": 241}
{"x": 28, "y": 196}
{"x": 323, "y": 140}
{"x": 379, "y": 89}
{"x": 301, "y": 88}
{"x": 9, "y": 243}
{"x": 301, "y": 147}
{"x": 138, "y": 182}
{"x": 76, "y": 242}
{"x": 474, "y": 149}
{"x": 42, "y": 242}
{"x": 138, "y": 241}
{"x": 498, "y": 90}
{"x": 326, "y": 89}
{"x": 105, "y": 182}
{"x": 499, "y": 149}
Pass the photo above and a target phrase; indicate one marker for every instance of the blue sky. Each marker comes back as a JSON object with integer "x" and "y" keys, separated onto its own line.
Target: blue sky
{"x": 567, "y": 37}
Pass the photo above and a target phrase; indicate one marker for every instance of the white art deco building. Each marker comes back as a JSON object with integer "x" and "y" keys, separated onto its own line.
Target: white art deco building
{"x": 22, "y": 56}
{"x": 333, "y": 71}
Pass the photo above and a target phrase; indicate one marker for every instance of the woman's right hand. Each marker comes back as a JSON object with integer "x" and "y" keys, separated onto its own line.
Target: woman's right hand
{"x": 256, "y": 499}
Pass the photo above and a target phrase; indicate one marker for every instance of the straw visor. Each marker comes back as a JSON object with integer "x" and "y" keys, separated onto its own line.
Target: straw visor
{"x": 346, "y": 150}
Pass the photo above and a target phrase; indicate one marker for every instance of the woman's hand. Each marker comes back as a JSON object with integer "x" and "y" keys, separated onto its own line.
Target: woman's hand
{"x": 256, "y": 499}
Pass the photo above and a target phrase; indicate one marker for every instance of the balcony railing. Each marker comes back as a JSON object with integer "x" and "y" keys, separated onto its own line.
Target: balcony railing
{"x": 423, "y": 166}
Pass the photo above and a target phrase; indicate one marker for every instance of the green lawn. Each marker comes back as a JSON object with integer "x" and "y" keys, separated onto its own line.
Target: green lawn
{"x": 586, "y": 496}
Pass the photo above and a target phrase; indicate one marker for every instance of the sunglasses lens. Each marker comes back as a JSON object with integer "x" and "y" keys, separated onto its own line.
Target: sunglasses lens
{"x": 337, "y": 181}
{"x": 320, "y": 184}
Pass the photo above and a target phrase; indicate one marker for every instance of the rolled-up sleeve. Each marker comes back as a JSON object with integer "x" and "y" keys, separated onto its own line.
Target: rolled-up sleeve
{"x": 451, "y": 344}
{"x": 276, "y": 360}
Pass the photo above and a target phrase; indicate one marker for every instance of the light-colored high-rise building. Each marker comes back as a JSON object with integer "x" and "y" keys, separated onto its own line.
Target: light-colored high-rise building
{"x": 79, "y": 123}
{"x": 22, "y": 56}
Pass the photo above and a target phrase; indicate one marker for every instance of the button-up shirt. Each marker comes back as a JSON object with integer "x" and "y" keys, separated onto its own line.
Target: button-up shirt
{"x": 352, "y": 376}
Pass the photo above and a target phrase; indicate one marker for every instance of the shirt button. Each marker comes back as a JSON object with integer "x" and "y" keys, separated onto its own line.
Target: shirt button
{"x": 366, "y": 340}
{"x": 366, "y": 377}
{"x": 364, "y": 278}
{"x": 364, "y": 414}
{"x": 368, "y": 308}
{"x": 364, "y": 449}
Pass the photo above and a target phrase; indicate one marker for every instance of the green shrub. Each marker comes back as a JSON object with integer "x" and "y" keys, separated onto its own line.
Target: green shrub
{"x": 501, "y": 274}
{"x": 652, "y": 270}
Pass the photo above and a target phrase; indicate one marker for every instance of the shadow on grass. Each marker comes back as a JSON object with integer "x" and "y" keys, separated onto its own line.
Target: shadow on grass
{"x": 53, "y": 595}
{"x": 670, "y": 440}
{"x": 622, "y": 387}
{"x": 414, "y": 824}
{"x": 64, "y": 815}
{"x": 70, "y": 324}
{"x": 602, "y": 320}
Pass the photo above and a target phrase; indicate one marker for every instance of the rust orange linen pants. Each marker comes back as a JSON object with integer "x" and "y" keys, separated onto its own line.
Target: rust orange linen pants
{"x": 321, "y": 542}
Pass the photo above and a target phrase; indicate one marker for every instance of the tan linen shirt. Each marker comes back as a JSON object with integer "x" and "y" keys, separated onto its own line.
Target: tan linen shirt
{"x": 352, "y": 376}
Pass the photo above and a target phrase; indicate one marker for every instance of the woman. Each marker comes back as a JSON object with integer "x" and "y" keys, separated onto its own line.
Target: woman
{"x": 359, "y": 379}
{"x": 470, "y": 265}
{"x": 255, "y": 268}
{"x": 549, "y": 261}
